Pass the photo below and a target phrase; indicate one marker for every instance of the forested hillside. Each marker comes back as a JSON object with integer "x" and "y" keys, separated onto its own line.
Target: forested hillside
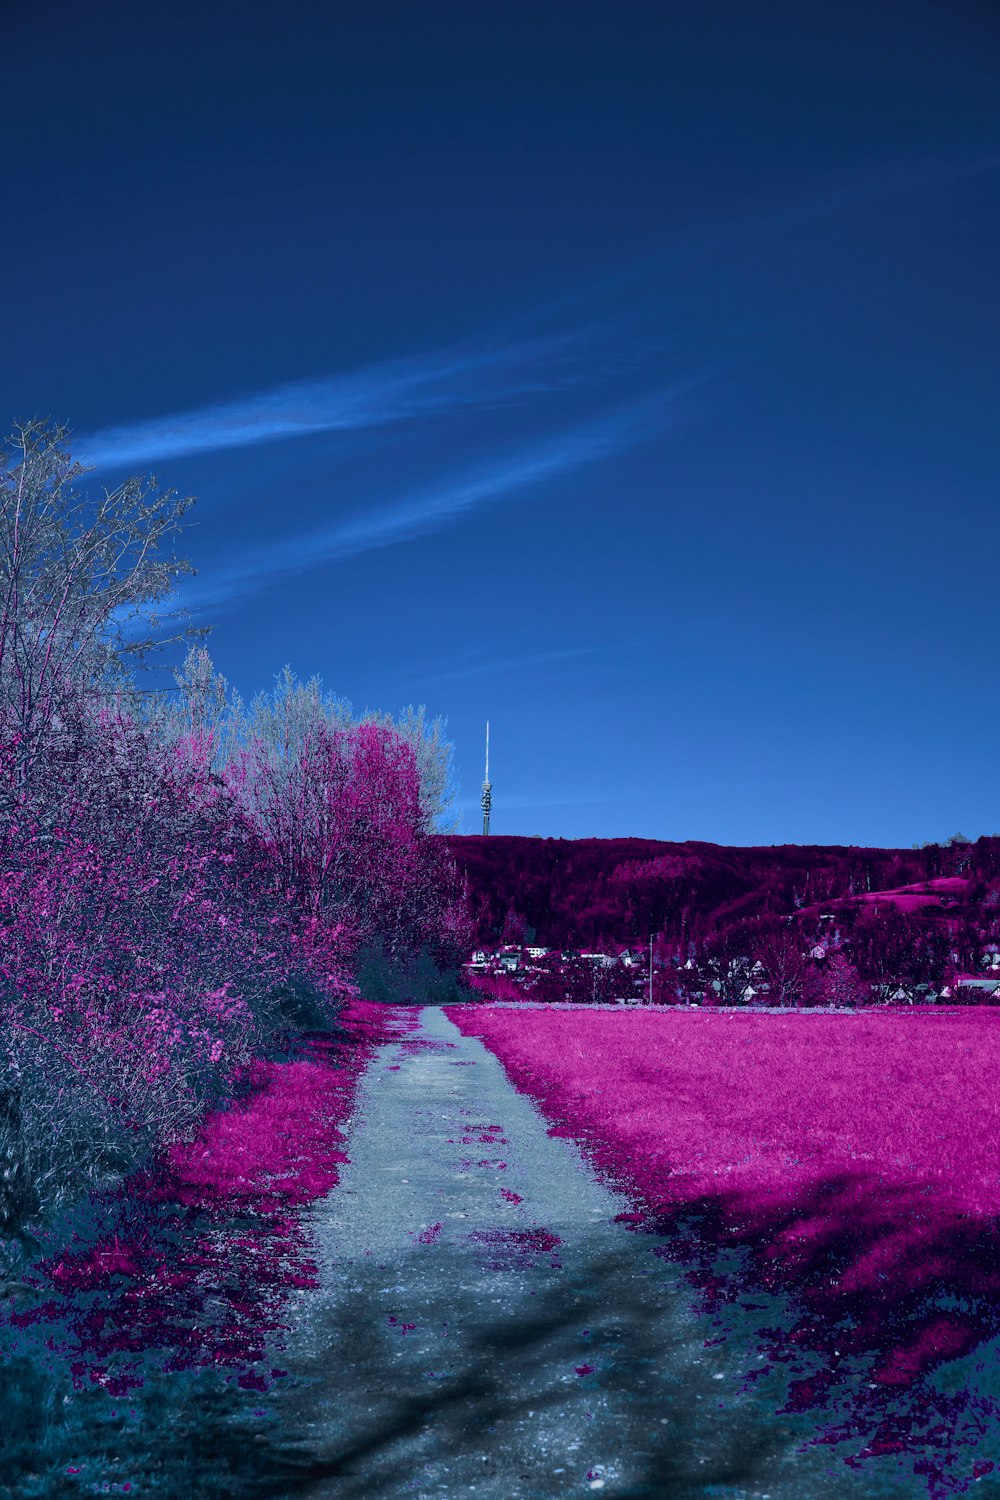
{"x": 707, "y": 899}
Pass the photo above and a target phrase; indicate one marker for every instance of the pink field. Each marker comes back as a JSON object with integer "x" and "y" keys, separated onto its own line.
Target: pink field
{"x": 854, "y": 1155}
{"x": 759, "y": 1107}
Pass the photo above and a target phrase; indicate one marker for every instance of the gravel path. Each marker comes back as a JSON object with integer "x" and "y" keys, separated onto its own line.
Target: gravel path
{"x": 483, "y": 1326}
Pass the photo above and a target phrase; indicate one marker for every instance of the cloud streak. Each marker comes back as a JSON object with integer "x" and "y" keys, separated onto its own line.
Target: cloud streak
{"x": 491, "y": 374}
{"x": 526, "y": 662}
{"x": 438, "y": 506}
{"x": 375, "y": 396}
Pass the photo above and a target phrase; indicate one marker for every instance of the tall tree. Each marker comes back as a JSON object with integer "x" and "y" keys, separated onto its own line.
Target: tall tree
{"x": 781, "y": 951}
{"x": 81, "y": 574}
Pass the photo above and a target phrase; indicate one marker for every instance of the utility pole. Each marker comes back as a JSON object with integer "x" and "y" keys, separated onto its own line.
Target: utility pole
{"x": 487, "y": 797}
{"x": 650, "y": 968}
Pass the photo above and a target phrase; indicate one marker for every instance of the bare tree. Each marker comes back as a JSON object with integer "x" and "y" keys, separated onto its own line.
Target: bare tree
{"x": 80, "y": 574}
{"x": 201, "y": 720}
{"x": 780, "y": 950}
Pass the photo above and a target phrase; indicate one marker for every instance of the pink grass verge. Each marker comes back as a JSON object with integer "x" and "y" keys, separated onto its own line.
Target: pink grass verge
{"x": 852, "y": 1155}
{"x": 193, "y": 1259}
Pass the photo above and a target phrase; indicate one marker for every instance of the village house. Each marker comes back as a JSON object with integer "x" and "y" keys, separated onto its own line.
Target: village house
{"x": 989, "y": 987}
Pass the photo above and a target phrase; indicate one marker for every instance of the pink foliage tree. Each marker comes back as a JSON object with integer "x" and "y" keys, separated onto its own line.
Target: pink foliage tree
{"x": 340, "y": 805}
{"x": 842, "y": 985}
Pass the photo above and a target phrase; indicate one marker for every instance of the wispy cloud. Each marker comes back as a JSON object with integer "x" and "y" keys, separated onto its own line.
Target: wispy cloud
{"x": 436, "y": 507}
{"x": 528, "y": 661}
{"x": 500, "y": 371}
{"x": 377, "y": 395}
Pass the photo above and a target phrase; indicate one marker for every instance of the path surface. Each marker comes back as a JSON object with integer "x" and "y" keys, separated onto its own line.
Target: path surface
{"x": 484, "y": 1327}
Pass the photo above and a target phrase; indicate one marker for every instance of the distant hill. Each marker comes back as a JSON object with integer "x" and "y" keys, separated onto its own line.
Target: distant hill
{"x": 927, "y": 907}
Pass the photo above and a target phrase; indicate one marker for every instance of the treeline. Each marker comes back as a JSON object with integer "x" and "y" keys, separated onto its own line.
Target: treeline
{"x": 715, "y": 911}
{"x": 185, "y": 881}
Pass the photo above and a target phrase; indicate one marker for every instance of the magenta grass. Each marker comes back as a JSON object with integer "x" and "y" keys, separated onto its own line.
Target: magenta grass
{"x": 192, "y": 1262}
{"x": 853, "y": 1155}
{"x": 758, "y": 1107}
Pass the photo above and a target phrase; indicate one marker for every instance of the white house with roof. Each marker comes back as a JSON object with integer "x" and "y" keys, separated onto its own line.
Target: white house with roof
{"x": 990, "y": 987}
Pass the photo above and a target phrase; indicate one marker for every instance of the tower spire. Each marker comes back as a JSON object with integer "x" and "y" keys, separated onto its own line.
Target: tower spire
{"x": 487, "y": 789}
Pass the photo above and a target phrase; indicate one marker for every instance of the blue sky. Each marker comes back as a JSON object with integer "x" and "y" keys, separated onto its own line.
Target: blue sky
{"x": 627, "y": 375}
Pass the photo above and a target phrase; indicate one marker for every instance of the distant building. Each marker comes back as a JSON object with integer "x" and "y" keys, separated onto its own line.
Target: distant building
{"x": 989, "y": 987}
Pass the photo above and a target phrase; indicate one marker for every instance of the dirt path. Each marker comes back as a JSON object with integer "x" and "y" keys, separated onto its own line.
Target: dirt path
{"x": 484, "y": 1327}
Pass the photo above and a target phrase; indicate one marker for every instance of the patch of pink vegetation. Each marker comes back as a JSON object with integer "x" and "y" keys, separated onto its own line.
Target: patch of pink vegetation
{"x": 847, "y": 1152}
{"x": 515, "y": 1249}
{"x": 905, "y": 897}
{"x": 216, "y": 1222}
{"x": 943, "y": 1339}
{"x": 429, "y": 1235}
{"x": 407, "y": 1022}
{"x": 484, "y": 1135}
{"x": 280, "y": 1145}
{"x": 495, "y": 986}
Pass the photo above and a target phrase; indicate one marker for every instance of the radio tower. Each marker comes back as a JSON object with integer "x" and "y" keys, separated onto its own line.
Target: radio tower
{"x": 487, "y": 789}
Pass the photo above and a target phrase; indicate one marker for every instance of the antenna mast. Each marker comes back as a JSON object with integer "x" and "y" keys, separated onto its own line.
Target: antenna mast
{"x": 487, "y": 789}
